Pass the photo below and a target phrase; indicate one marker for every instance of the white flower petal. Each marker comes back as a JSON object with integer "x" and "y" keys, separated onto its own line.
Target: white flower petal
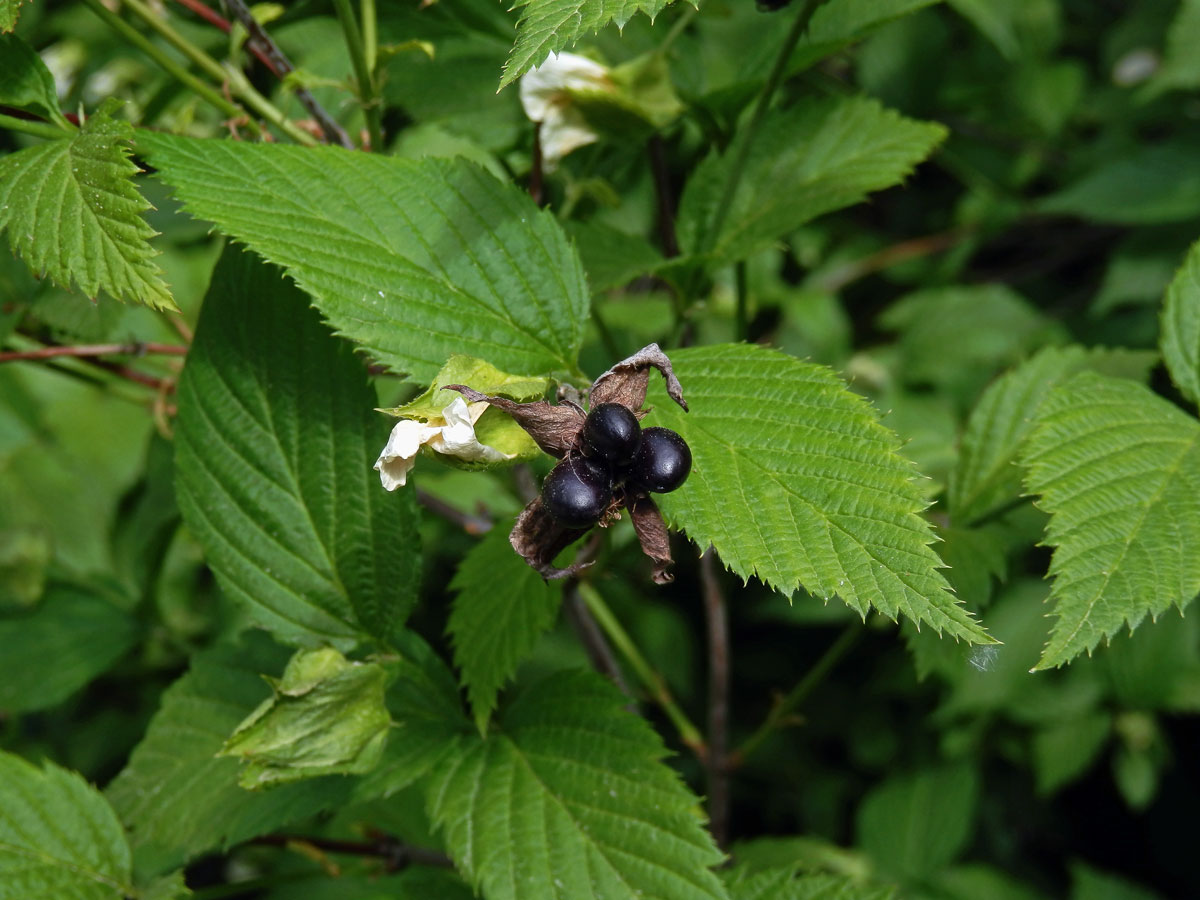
{"x": 400, "y": 453}
{"x": 541, "y": 88}
{"x": 458, "y": 437}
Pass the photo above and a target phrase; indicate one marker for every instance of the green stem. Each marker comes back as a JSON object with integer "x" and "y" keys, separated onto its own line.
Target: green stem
{"x": 168, "y": 64}
{"x": 238, "y": 83}
{"x": 370, "y": 39}
{"x": 35, "y": 128}
{"x": 797, "y": 695}
{"x": 748, "y": 135}
{"x": 362, "y": 72}
{"x": 653, "y": 682}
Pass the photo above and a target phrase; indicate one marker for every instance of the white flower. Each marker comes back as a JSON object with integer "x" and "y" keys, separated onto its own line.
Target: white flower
{"x": 544, "y": 94}
{"x": 454, "y": 436}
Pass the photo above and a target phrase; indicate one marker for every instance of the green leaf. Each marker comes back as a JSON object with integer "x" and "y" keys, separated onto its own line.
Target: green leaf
{"x": 169, "y": 887}
{"x": 477, "y": 373}
{"x": 569, "y": 799}
{"x": 914, "y": 825}
{"x": 1088, "y": 883}
{"x": 414, "y": 259}
{"x": 818, "y": 156}
{"x": 72, "y": 213}
{"x": 1118, "y": 469}
{"x": 956, "y": 337}
{"x": 839, "y": 23}
{"x": 1180, "y": 68}
{"x": 327, "y": 717}
{"x": 427, "y": 716}
{"x": 612, "y": 258}
{"x": 1156, "y": 183}
{"x": 493, "y": 429}
{"x": 501, "y": 608}
{"x": 10, "y": 11}
{"x": 1180, "y": 336}
{"x": 176, "y": 796}
{"x": 994, "y": 21}
{"x": 986, "y": 477}
{"x": 25, "y": 555}
{"x": 72, "y": 636}
{"x": 1064, "y": 750}
{"x": 795, "y": 480}
{"x": 25, "y": 82}
{"x": 786, "y": 884}
{"x": 59, "y": 838}
{"x": 548, "y": 26}
{"x": 274, "y": 445}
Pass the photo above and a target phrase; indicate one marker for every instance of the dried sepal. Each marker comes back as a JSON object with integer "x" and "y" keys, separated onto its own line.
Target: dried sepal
{"x": 554, "y": 428}
{"x": 652, "y": 535}
{"x": 626, "y": 382}
{"x": 539, "y": 537}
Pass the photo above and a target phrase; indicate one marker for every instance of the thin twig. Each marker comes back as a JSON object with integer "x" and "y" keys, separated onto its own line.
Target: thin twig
{"x": 172, "y": 66}
{"x": 781, "y": 712}
{"x": 161, "y": 385}
{"x": 89, "y": 350}
{"x": 475, "y": 525}
{"x": 598, "y": 651}
{"x": 717, "y": 619}
{"x": 275, "y": 60}
{"x": 663, "y": 195}
{"x": 396, "y": 855}
{"x": 895, "y": 254}
{"x": 653, "y": 682}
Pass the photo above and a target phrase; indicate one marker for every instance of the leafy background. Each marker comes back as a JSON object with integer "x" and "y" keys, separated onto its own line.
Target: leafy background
{"x": 923, "y": 314}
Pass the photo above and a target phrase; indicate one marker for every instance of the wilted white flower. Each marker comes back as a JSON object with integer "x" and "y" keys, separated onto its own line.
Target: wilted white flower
{"x": 546, "y": 98}
{"x": 453, "y": 435}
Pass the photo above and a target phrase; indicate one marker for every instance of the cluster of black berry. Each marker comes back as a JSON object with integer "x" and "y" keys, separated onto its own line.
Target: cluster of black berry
{"x": 617, "y": 455}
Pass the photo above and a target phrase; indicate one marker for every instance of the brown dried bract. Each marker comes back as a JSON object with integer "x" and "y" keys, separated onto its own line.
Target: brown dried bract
{"x": 556, "y": 428}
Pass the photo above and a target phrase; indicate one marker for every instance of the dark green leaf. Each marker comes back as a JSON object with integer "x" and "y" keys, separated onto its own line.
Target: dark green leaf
{"x": 816, "y": 157}
{"x": 569, "y": 800}
{"x": 1118, "y": 469}
{"x": 501, "y": 607}
{"x": 176, "y": 796}
{"x": 416, "y": 260}
{"x": 59, "y": 838}
{"x": 274, "y": 447}
{"x": 73, "y": 635}
{"x": 25, "y": 82}
{"x": 794, "y": 480}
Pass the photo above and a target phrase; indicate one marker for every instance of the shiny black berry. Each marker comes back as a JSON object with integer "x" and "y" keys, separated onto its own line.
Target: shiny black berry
{"x": 662, "y": 463}
{"x": 577, "y": 492}
{"x": 611, "y": 432}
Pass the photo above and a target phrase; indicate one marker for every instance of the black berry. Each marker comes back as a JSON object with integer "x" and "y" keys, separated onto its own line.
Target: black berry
{"x": 612, "y": 433}
{"x": 663, "y": 461}
{"x": 577, "y": 492}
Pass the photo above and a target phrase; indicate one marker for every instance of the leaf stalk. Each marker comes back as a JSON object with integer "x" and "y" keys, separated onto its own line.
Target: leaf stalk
{"x": 367, "y": 95}
{"x": 654, "y": 683}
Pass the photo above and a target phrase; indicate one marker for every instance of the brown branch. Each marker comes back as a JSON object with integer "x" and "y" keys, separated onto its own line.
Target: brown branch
{"x": 470, "y": 524}
{"x": 396, "y": 855}
{"x": 268, "y": 53}
{"x": 717, "y": 618}
{"x": 93, "y": 350}
{"x": 890, "y": 256}
{"x": 587, "y": 629}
